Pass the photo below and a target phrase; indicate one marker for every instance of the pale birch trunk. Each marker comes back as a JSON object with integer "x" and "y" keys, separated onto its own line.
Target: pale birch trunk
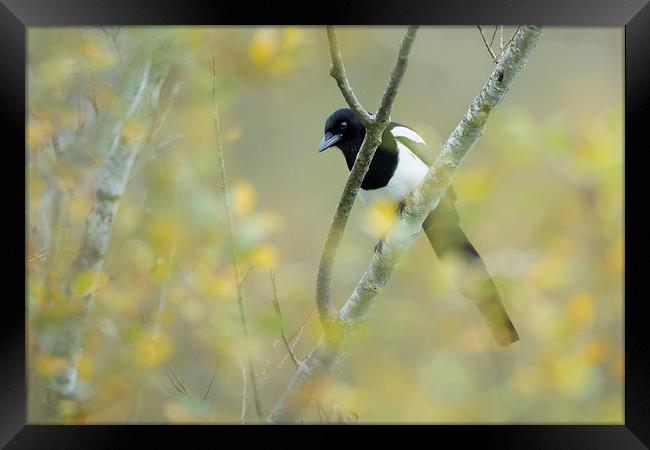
{"x": 110, "y": 185}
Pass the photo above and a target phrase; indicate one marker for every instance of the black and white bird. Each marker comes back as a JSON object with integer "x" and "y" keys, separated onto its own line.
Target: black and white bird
{"x": 398, "y": 166}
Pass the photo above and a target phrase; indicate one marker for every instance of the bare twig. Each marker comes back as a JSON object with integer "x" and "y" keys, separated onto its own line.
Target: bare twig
{"x": 374, "y": 128}
{"x": 112, "y": 38}
{"x": 501, "y": 48}
{"x": 407, "y": 226}
{"x": 230, "y": 232}
{"x": 245, "y": 277}
{"x": 278, "y": 313}
{"x": 176, "y": 381}
{"x": 214, "y": 374}
{"x": 509, "y": 40}
{"x": 296, "y": 335}
{"x": 494, "y": 34}
{"x": 487, "y": 46}
{"x": 337, "y": 71}
{"x": 244, "y": 395}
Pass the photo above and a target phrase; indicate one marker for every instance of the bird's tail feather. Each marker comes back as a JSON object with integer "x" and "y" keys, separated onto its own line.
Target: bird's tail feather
{"x": 474, "y": 281}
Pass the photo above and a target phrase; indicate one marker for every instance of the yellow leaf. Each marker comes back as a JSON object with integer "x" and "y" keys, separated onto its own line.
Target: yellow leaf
{"x": 85, "y": 282}
{"x": 581, "y": 309}
{"x": 100, "y": 58}
{"x": 379, "y": 217}
{"x": 264, "y": 257}
{"x": 282, "y": 64}
{"x": 263, "y": 46}
{"x": 243, "y": 196}
{"x": 569, "y": 375}
{"x": 163, "y": 231}
{"x": 80, "y": 206}
{"x": 475, "y": 184}
{"x": 178, "y": 414}
{"x": 151, "y": 351}
{"x": 84, "y": 367}
{"x": 67, "y": 408}
{"x": 341, "y": 395}
{"x": 594, "y": 351}
{"x": 233, "y": 134}
{"x": 38, "y": 132}
{"x": 49, "y": 365}
{"x": 160, "y": 270}
{"x": 551, "y": 271}
{"x": 291, "y": 37}
{"x": 615, "y": 256}
{"x": 266, "y": 223}
{"x": 132, "y": 131}
{"x": 618, "y": 366}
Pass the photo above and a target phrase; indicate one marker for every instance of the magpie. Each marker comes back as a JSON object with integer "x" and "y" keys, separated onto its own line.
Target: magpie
{"x": 398, "y": 166}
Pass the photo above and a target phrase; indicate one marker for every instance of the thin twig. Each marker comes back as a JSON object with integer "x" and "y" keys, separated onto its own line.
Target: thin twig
{"x": 244, "y": 395}
{"x": 231, "y": 240}
{"x": 509, "y": 40}
{"x": 501, "y": 48}
{"x": 487, "y": 46}
{"x": 296, "y": 335}
{"x": 245, "y": 277}
{"x": 176, "y": 381}
{"x": 494, "y": 34}
{"x": 112, "y": 37}
{"x": 214, "y": 374}
{"x": 337, "y": 71}
{"x": 278, "y": 313}
{"x": 166, "y": 392}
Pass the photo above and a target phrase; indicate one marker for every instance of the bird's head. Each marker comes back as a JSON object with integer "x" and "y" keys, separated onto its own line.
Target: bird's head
{"x": 342, "y": 128}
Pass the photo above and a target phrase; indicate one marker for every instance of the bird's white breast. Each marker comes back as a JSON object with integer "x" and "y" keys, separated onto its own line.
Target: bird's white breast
{"x": 410, "y": 171}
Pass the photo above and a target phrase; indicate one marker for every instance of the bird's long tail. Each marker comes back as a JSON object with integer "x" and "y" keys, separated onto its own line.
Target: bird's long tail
{"x": 474, "y": 281}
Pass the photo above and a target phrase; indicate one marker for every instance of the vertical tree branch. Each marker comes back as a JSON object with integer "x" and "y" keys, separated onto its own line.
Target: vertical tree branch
{"x": 233, "y": 255}
{"x": 374, "y": 128}
{"x": 407, "y": 226}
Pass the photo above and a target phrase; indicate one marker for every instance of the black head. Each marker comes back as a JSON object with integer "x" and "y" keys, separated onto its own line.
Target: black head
{"x": 342, "y": 128}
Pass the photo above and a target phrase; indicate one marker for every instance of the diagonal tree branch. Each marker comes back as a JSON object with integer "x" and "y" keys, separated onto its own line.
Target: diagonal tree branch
{"x": 374, "y": 128}
{"x": 407, "y": 226}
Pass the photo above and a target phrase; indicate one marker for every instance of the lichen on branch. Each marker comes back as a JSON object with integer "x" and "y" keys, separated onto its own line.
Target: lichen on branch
{"x": 407, "y": 226}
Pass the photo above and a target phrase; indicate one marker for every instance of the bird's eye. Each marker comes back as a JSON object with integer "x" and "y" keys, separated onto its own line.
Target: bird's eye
{"x": 343, "y": 125}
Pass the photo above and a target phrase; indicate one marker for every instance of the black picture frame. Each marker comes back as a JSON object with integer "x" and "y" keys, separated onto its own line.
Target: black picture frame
{"x": 17, "y": 15}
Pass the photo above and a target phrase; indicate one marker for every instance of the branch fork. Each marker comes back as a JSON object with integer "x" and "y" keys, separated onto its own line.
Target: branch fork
{"x": 407, "y": 226}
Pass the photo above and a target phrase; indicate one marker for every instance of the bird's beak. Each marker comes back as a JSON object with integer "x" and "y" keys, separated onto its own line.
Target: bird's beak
{"x": 328, "y": 140}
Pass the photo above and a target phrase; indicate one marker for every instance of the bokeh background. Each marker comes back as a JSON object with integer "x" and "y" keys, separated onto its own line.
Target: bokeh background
{"x": 541, "y": 198}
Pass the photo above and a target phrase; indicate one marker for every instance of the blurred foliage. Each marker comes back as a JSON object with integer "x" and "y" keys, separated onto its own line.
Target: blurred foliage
{"x": 541, "y": 198}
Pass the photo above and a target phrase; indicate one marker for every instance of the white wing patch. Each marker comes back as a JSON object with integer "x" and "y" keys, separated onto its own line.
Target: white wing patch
{"x": 410, "y": 171}
{"x": 408, "y": 134}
